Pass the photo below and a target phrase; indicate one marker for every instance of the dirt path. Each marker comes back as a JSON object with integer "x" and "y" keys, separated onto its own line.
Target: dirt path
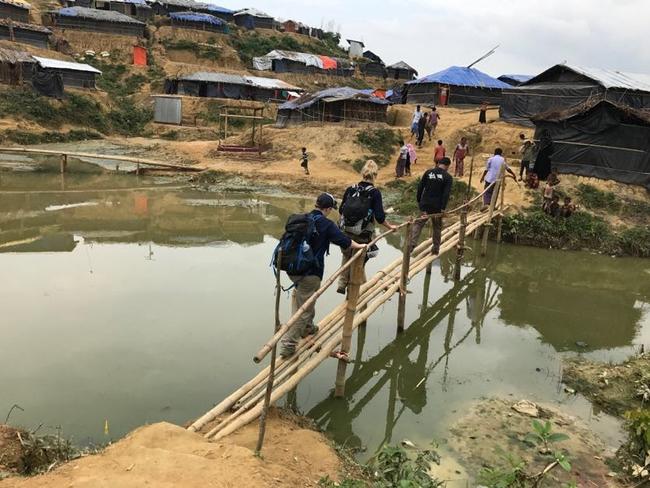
{"x": 166, "y": 455}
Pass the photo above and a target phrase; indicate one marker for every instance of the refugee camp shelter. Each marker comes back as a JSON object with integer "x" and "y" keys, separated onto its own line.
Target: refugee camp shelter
{"x": 94, "y": 20}
{"x": 199, "y": 21}
{"x": 294, "y": 62}
{"x": 600, "y": 139}
{"x": 225, "y": 85}
{"x": 456, "y": 85}
{"x": 333, "y": 105}
{"x": 372, "y": 68}
{"x": 165, "y": 7}
{"x": 74, "y": 75}
{"x": 15, "y": 10}
{"x": 514, "y": 80}
{"x": 138, "y": 9}
{"x": 290, "y": 26}
{"x": 15, "y": 66}
{"x": 251, "y": 18}
{"x": 356, "y": 48}
{"x": 564, "y": 86}
{"x": 33, "y": 34}
{"x": 401, "y": 71}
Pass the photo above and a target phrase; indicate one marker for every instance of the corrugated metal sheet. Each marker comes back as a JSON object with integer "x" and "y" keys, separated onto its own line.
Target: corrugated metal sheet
{"x": 212, "y": 77}
{"x": 167, "y": 110}
{"x": 11, "y": 56}
{"x": 614, "y": 79}
{"x": 331, "y": 95}
{"x": 22, "y": 25}
{"x": 57, "y": 64}
{"x": 462, "y": 76}
{"x": 270, "y": 83}
{"x": 401, "y": 65}
{"x": 91, "y": 13}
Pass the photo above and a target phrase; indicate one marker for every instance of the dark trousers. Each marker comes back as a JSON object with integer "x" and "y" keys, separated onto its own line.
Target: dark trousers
{"x": 416, "y": 230}
{"x": 525, "y": 165}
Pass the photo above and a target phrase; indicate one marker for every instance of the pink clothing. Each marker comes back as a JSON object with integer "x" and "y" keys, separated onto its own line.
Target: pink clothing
{"x": 439, "y": 153}
{"x": 412, "y": 153}
{"x": 461, "y": 152}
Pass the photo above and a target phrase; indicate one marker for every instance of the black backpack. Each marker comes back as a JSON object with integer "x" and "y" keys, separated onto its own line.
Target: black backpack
{"x": 356, "y": 214}
{"x": 298, "y": 257}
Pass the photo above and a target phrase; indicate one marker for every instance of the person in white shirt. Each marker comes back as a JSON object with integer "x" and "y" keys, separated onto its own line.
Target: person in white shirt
{"x": 491, "y": 173}
{"x": 417, "y": 115}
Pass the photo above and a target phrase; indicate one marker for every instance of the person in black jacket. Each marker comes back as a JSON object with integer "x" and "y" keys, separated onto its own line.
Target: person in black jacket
{"x": 433, "y": 194}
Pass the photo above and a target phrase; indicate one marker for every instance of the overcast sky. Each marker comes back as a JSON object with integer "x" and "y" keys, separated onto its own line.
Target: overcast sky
{"x": 431, "y": 35}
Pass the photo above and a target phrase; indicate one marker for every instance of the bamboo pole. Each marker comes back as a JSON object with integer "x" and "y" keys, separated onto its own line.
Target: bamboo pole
{"x": 493, "y": 201}
{"x": 356, "y": 278}
{"x": 469, "y": 182}
{"x": 219, "y": 432}
{"x": 111, "y": 157}
{"x": 406, "y": 257}
{"x": 500, "y": 217}
{"x": 269, "y": 383}
{"x": 460, "y": 250}
{"x": 64, "y": 163}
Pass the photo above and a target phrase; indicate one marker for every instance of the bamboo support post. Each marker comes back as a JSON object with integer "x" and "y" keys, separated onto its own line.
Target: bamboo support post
{"x": 269, "y": 383}
{"x": 493, "y": 201}
{"x": 501, "y": 204}
{"x": 430, "y": 266}
{"x": 137, "y": 169}
{"x": 471, "y": 174}
{"x": 406, "y": 258}
{"x": 460, "y": 249}
{"x": 64, "y": 163}
{"x": 356, "y": 278}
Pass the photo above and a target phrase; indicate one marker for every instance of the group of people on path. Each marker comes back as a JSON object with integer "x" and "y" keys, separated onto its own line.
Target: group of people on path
{"x": 424, "y": 123}
{"x": 361, "y": 210}
{"x": 407, "y": 156}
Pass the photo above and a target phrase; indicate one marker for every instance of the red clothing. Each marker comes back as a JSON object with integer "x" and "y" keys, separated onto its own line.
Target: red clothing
{"x": 439, "y": 153}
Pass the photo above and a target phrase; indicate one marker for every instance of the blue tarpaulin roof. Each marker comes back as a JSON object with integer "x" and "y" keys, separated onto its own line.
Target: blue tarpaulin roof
{"x": 197, "y": 17}
{"x": 331, "y": 95}
{"x": 461, "y": 76}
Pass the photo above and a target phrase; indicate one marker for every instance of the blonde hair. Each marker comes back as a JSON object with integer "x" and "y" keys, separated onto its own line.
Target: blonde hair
{"x": 369, "y": 170}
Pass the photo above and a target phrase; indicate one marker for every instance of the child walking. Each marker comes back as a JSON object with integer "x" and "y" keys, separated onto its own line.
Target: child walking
{"x": 304, "y": 160}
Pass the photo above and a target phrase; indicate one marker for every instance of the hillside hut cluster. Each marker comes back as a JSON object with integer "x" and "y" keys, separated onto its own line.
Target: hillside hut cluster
{"x": 333, "y": 105}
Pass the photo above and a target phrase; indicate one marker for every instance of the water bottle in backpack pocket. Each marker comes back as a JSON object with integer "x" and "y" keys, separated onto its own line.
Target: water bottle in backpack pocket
{"x": 298, "y": 257}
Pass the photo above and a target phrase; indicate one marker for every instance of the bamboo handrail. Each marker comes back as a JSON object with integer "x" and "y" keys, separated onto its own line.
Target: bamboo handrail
{"x": 128, "y": 159}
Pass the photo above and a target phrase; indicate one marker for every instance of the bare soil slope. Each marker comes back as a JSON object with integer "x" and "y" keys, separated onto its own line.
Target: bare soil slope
{"x": 165, "y": 455}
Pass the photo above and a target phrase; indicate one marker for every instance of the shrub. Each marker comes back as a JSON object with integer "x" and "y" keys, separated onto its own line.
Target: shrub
{"x": 381, "y": 142}
{"x": 635, "y": 241}
{"x": 29, "y": 105}
{"x": 594, "y": 198}
{"x": 128, "y": 119}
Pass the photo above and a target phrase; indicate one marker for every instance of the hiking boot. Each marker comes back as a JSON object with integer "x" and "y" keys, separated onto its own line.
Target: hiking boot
{"x": 288, "y": 349}
{"x": 309, "y": 331}
{"x": 341, "y": 290}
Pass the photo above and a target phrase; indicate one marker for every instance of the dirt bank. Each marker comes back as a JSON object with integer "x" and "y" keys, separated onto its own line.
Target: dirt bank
{"x": 492, "y": 430}
{"x": 166, "y": 455}
{"x": 614, "y": 388}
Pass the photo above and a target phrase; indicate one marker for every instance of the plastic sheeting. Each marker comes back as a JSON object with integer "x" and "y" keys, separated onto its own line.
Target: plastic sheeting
{"x": 604, "y": 141}
{"x": 139, "y": 56}
{"x": 331, "y": 94}
{"x": 460, "y": 76}
{"x": 47, "y": 83}
{"x": 265, "y": 63}
{"x": 196, "y": 17}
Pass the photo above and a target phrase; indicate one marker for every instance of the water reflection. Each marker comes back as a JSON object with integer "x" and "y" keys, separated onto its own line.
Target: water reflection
{"x": 404, "y": 366}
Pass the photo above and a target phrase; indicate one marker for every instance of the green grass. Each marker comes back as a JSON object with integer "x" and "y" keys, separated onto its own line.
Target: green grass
{"x": 380, "y": 142}
{"x": 200, "y": 50}
{"x": 593, "y": 198}
{"x": 27, "y": 138}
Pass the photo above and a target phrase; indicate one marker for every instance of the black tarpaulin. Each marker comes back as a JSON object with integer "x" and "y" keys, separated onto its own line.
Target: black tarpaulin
{"x": 47, "y": 83}
{"x": 601, "y": 140}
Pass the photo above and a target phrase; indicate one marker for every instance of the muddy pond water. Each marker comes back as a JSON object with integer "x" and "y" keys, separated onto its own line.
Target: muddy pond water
{"x": 125, "y": 301}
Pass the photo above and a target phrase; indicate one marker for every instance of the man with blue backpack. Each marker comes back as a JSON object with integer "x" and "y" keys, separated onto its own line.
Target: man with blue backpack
{"x": 305, "y": 243}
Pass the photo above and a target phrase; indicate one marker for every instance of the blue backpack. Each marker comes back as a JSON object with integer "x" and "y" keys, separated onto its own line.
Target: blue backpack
{"x": 298, "y": 257}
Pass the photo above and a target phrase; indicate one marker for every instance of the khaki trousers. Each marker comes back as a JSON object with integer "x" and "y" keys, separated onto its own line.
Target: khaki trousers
{"x": 305, "y": 287}
{"x": 416, "y": 230}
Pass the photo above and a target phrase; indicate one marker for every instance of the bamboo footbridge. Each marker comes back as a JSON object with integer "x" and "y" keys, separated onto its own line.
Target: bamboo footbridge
{"x": 334, "y": 337}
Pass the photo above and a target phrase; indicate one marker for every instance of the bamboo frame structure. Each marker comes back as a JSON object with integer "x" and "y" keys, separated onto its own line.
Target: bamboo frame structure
{"x": 336, "y": 328}
{"x": 493, "y": 202}
{"x": 406, "y": 258}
